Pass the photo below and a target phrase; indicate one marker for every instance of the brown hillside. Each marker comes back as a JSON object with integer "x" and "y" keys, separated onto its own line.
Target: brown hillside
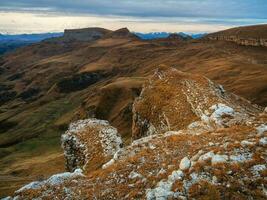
{"x": 45, "y": 86}
{"x": 219, "y": 155}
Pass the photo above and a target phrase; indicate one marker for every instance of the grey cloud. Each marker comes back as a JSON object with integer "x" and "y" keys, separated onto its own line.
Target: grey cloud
{"x": 242, "y": 9}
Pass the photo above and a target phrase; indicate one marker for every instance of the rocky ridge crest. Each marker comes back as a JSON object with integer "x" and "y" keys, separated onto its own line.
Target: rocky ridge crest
{"x": 191, "y": 139}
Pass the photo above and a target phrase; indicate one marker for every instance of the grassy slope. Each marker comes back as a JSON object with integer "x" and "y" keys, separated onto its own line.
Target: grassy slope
{"x": 241, "y": 69}
{"x": 40, "y": 155}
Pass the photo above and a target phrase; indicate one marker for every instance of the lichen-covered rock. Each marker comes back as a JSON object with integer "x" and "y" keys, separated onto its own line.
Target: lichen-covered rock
{"x": 185, "y": 163}
{"x": 216, "y": 159}
{"x": 263, "y": 141}
{"x": 172, "y": 100}
{"x": 261, "y": 129}
{"x": 89, "y": 143}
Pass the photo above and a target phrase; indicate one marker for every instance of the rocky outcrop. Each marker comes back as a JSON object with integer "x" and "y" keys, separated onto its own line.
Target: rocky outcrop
{"x": 247, "y": 35}
{"x": 259, "y": 42}
{"x": 89, "y": 143}
{"x": 121, "y": 33}
{"x": 92, "y": 34}
{"x": 197, "y": 141}
{"x": 173, "y": 100}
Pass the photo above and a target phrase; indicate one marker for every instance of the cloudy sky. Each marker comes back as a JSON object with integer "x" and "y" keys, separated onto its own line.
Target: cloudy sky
{"x": 192, "y": 16}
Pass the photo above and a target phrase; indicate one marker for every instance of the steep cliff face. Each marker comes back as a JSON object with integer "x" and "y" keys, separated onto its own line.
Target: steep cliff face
{"x": 261, "y": 42}
{"x": 221, "y": 154}
{"x": 248, "y": 36}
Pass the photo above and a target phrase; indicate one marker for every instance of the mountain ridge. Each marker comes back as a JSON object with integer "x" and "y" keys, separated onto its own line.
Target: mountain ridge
{"x": 48, "y": 85}
{"x": 211, "y": 158}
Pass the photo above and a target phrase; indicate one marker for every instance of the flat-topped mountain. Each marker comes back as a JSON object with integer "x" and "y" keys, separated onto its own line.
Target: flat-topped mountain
{"x": 92, "y": 34}
{"x": 86, "y": 34}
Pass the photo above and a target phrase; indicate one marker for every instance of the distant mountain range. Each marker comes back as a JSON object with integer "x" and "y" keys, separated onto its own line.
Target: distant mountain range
{"x": 12, "y": 42}
{"x": 155, "y": 35}
{"x": 28, "y": 37}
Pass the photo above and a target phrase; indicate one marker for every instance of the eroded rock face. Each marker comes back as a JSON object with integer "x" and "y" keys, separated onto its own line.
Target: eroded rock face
{"x": 260, "y": 42}
{"x": 246, "y": 35}
{"x": 89, "y": 143}
{"x": 173, "y": 100}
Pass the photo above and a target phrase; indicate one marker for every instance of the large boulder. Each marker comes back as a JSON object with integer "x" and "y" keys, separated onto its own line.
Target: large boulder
{"x": 90, "y": 143}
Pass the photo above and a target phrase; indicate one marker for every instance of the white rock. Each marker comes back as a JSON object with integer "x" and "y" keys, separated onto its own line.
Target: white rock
{"x": 257, "y": 168}
{"x": 240, "y": 158}
{"x": 261, "y": 129}
{"x": 219, "y": 111}
{"x": 54, "y": 180}
{"x": 206, "y": 156}
{"x": 263, "y": 141}
{"x": 219, "y": 159}
{"x": 185, "y": 163}
{"x": 176, "y": 175}
{"x": 161, "y": 192}
{"x": 134, "y": 175}
{"x": 163, "y": 189}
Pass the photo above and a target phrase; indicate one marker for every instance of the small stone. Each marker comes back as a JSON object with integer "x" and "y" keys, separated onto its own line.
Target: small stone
{"x": 219, "y": 159}
{"x": 206, "y": 156}
{"x": 263, "y": 141}
{"x": 134, "y": 175}
{"x": 176, "y": 175}
{"x": 261, "y": 129}
{"x": 211, "y": 144}
{"x": 185, "y": 164}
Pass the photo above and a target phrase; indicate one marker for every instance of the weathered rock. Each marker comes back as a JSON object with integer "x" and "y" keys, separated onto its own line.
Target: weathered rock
{"x": 185, "y": 163}
{"x": 219, "y": 159}
{"x": 206, "y": 156}
{"x": 263, "y": 141}
{"x": 90, "y": 143}
{"x": 172, "y": 100}
{"x": 247, "y": 35}
{"x": 261, "y": 129}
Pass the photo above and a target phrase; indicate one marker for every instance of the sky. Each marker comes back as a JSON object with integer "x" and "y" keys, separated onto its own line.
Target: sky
{"x": 190, "y": 16}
